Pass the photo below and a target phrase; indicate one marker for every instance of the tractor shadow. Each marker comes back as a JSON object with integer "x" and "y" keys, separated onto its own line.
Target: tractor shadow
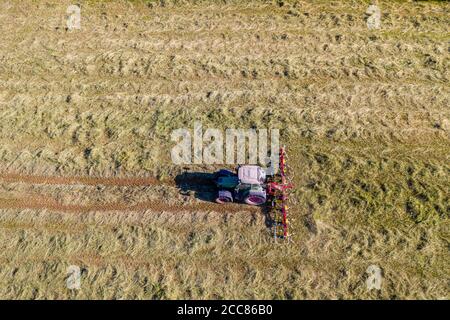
{"x": 203, "y": 187}
{"x": 199, "y": 183}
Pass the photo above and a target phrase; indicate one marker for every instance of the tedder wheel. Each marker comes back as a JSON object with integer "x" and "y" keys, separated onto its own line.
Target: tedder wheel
{"x": 224, "y": 196}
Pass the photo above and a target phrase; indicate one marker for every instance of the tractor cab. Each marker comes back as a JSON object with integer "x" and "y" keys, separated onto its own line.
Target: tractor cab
{"x": 251, "y": 175}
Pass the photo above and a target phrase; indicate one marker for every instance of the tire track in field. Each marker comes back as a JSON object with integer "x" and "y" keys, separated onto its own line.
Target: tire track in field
{"x": 89, "y": 181}
{"x": 44, "y": 203}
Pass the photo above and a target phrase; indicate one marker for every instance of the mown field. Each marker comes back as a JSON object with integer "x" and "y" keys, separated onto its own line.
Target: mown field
{"x": 86, "y": 176}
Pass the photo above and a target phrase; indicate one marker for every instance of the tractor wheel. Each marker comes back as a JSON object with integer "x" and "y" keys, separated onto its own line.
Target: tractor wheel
{"x": 255, "y": 200}
{"x": 224, "y": 196}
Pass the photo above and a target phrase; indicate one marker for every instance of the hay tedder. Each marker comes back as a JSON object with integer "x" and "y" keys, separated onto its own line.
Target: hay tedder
{"x": 252, "y": 185}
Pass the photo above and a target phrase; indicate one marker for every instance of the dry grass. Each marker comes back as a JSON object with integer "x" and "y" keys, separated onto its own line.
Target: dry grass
{"x": 364, "y": 115}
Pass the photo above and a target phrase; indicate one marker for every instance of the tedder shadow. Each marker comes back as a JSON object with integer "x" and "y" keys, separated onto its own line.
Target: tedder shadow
{"x": 202, "y": 184}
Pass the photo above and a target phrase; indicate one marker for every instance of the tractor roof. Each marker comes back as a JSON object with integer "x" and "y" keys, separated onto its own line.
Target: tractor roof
{"x": 251, "y": 174}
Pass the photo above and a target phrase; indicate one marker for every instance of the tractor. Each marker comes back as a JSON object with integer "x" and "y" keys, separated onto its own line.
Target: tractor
{"x": 247, "y": 185}
{"x": 252, "y": 185}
